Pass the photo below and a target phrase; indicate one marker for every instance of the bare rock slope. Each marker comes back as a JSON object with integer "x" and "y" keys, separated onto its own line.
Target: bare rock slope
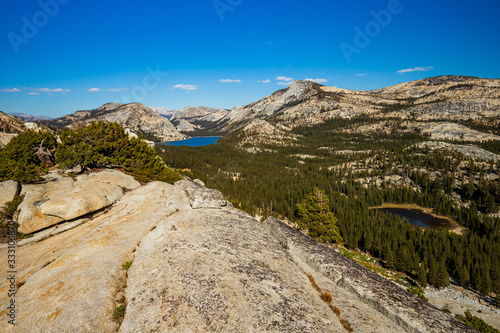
{"x": 448, "y": 98}
{"x": 140, "y": 119}
{"x": 199, "y": 265}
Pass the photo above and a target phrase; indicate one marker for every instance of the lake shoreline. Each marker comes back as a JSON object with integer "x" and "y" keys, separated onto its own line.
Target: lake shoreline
{"x": 455, "y": 226}
{"x": 195, "y": 141}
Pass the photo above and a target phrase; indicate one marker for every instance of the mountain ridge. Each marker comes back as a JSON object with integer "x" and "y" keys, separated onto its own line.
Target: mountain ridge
{"x": 140, "y": 119}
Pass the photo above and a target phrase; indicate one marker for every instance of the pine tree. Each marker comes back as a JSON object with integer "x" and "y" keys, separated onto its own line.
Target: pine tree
{"x": 422, "y": 276}
{"x": 388, "y": 257}
{"x": 463, "y": 275}
{"x": 443, "y": 279}
{"x": 315, "y": 216}
{"x": 432, "y": 275}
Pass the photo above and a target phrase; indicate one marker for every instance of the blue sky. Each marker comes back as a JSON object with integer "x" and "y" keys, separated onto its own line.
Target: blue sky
{"x": 59, "y": 56}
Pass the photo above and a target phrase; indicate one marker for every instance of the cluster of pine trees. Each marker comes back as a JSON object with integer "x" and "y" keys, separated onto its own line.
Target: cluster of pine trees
{"x": 274, "y": 181}
{"x": 99, "y": 145}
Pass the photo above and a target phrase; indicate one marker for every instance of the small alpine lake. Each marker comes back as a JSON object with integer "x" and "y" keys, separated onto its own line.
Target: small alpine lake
{"x": 194, "y": 142}
{"x": 418, "y": 217}
{"x": 421, "y": 217}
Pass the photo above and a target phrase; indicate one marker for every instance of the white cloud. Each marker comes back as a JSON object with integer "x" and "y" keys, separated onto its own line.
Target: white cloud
{"x": 284, "y": 78}
{"x": 361, "y": 74}
{"x": 11, "y": 90}
{"x": 229, "y": 81}
{"x": 317, "y": 80}
{"x": 286, "y": 83}
{"x": 33, "y": 93}
{"x": 94, "y": 90}
{"x": 416, "y": 69}
{"x": 265, "y": 81}
{"x": 53, "y": 90}
{"x": 185, "y": 87}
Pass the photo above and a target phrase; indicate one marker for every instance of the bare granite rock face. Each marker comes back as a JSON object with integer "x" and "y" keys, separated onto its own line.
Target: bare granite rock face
{"x": 202, "y": 197}
{"x": 8, "y": 190}
{"x": 5, "y": 138}
{"x": 71, "y": 279}
{"x": 407, "y": 310}
{"x": 87, "y": 197}
{"x": 194, "y": 273}
{"x": 30, "y": 218}
{"x": 62, "y": 199}
{"x": 466, "y": 150}
{"x": 113, "y": 177}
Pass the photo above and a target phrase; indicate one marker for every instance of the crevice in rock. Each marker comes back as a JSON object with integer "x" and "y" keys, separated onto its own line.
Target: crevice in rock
{"x": 120, "y": 298}
{"x": 59, "y": 228}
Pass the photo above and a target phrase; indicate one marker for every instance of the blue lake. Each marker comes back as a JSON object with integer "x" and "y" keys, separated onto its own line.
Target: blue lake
{"x": 194, "y": 142}
{"x": 418, "y": 217}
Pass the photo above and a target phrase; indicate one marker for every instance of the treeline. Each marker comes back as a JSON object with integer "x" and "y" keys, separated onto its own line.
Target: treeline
{"x": 274, "y": 182}
{"x": 28, "y": 156}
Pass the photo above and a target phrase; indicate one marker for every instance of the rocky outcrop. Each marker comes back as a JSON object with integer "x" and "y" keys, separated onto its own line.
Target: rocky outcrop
{"x": 199, "y": 270}
{"x": 202, "y": 276}
{"x": 469, "y": 151}
{"x": 202, "y": 197}
{"x": 11, "y": 124}
{"x": 5, "y": 138}
{"x": 138, "y": 118}
{"x": 203, "y": 113}
{"x": 186, "y": 126}
{"x": 71, "y": 279}
{"x": 454, "y": 132}
{"x": 8, "y": 190}
{"x": 62, "y": 199}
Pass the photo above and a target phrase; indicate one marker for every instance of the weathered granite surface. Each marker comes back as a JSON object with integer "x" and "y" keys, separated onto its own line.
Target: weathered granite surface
{"x": 71, "y": 278}
{"x": 195, "y": 273}
{"x": 62, "y": 199}
{"x": 391, "y": 301}
{"x": 202, "y": 197}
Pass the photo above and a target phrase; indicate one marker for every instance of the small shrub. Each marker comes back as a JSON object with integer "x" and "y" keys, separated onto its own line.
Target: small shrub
{"x": 127, "y": 265}
{"x": 327, "y": 296}
{"x": 335, "y": 309}
{"x": 119, "y": 312}
{"x": 346, "y": 325}
{"x": 313, "y": 282}
{"x": 8, "y": 211}
{"x": 445, "y": 310}
{"x": 417, "y": 291}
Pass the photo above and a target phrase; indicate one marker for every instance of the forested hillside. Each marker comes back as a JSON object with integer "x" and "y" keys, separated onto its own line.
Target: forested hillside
{"x": 358, "y": 171}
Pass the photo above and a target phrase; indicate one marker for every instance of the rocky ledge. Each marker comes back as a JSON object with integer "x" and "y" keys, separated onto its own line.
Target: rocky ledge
{"x": 179, "y": 258}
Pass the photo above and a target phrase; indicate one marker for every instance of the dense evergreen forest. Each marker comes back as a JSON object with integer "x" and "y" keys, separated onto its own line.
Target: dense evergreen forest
{"x": 357, "y": 171}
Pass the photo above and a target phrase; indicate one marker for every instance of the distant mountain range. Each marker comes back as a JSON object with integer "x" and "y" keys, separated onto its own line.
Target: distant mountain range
{"x": 433, "y": 105}
{"x": 167, "y": 113}
{"x": 29, "y": 117}
{"x": 305, "y": 102}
